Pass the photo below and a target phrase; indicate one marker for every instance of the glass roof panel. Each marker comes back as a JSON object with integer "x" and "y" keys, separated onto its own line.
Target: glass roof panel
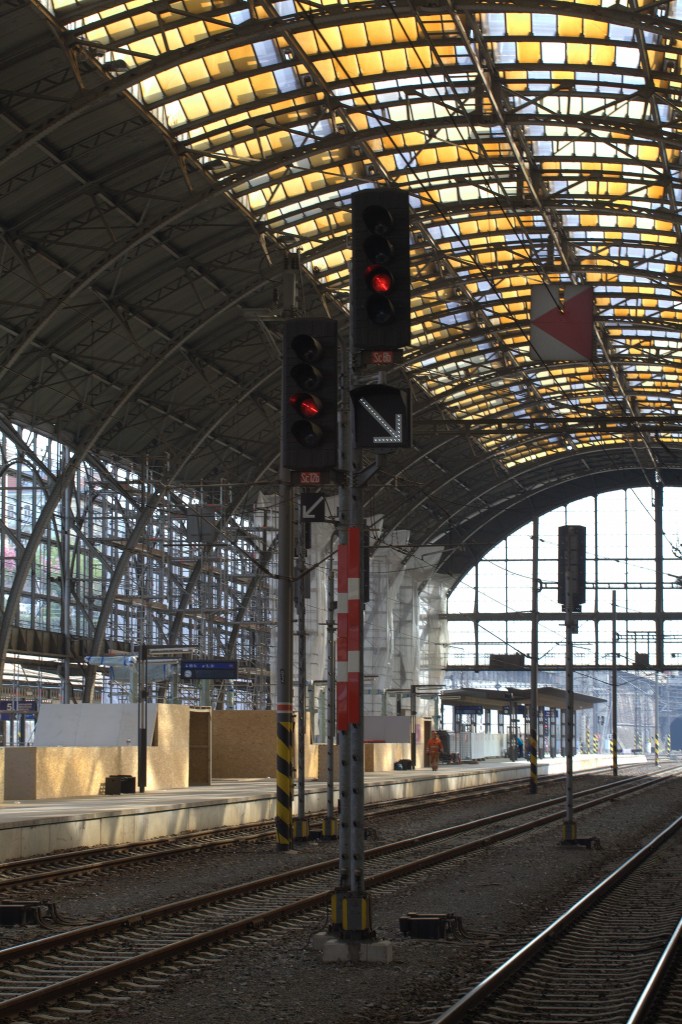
{"x": 538, "y": 148}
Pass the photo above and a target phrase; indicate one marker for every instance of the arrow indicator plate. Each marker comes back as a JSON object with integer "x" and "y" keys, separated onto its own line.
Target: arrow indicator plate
{"x": 382, "y": 417}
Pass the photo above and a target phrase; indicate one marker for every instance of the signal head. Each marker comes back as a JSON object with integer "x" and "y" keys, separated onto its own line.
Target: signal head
{"x": 380, "y": 273}
{"x": 309, "y": 394}
{"x": 378, "y": 219}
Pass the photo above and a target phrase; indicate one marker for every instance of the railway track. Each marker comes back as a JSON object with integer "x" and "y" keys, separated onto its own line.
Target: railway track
{"x": 64, "y": 965}
{"x": 605, "y": 959}
{"x": 20, "y": 877}
{"x": 660, "y": 1001}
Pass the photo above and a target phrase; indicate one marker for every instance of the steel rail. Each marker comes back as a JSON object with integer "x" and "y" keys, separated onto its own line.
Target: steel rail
{"x": 124, "y": 927}
{"x": 80, "y": 862}
{"x": 490, "y": 985}
{"x": 656, "y": 981}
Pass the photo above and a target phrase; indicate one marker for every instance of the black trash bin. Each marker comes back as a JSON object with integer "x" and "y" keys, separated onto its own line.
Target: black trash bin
{"x": 114, "y": 785}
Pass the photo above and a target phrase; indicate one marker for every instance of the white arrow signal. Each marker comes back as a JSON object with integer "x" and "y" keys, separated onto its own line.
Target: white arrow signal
{"x": 394, "y": 435}
{"x": 310, "y": 510}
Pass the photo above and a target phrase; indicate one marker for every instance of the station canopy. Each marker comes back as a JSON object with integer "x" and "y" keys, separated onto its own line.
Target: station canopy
{"x": 168, "y": 166}
{"x": 474, "y": 699}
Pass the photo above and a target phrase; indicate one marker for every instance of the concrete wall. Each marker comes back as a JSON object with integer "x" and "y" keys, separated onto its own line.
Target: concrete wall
{"x": 45, "y": 773}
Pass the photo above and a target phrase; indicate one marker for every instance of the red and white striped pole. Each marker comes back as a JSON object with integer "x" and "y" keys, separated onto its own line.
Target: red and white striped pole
{"x": 349, "y": 638}
{"x": 354, "y": 602}
{"x": 342, "y": 639}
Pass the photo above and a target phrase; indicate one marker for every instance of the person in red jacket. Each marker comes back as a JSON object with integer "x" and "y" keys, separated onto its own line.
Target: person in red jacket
{"x": 434, "y": 747}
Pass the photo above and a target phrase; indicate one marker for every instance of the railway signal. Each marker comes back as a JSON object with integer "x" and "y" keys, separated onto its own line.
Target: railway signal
{"x": 571, "y": 582}
{"x": 309, "y": 394}
{"x": 380, "y": 278}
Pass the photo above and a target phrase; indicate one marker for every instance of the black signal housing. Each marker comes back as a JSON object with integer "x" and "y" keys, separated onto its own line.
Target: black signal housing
{"x": 310, "y": 380}
{"x": 380, "y": 276}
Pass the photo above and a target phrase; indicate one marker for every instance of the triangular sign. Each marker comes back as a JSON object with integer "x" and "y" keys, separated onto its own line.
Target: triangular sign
{"x": 562, "y": 333}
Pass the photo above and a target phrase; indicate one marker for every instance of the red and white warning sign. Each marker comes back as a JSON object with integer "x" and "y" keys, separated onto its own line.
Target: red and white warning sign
{"x": 561, "y": 328}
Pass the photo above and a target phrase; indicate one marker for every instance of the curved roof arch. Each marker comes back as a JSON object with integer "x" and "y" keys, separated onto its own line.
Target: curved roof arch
{"x": 176, "y": 179}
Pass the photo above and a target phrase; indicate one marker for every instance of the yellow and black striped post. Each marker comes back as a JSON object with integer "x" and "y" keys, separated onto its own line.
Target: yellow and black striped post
{"x": 284, "y": 770}
{"x": 285, "y": 688}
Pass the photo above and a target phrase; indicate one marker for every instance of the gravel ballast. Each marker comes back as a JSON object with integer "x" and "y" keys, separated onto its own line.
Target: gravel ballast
{"x": 502, "y": 895}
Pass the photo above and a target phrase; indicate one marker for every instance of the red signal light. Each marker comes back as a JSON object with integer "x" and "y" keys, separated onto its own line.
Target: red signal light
{"x": 310, "y": 382}
{"x": 380, "y": 270}
{"x": 379, "y": 280}
{"x": 306, "y": 405}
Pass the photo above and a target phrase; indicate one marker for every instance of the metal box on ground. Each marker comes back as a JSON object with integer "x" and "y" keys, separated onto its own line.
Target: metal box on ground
{"x": 114, "y": 785}
{"x": 431, "y": 926}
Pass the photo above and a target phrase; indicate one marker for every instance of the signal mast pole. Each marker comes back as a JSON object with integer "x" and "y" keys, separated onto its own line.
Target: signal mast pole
{"x": 572, "y": 596}
{"x": 380, "y": 324}
{"x": 308, "y": 452}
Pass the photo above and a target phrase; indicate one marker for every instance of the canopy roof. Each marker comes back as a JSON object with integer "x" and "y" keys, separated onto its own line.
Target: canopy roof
{"x": 547, "y": 697}
{"x": 177, "y": 179}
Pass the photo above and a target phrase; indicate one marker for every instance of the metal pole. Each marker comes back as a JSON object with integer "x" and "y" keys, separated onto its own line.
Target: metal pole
{"x": 67, "y": 692}
{"x": 283, "y": 820}
{"x": 534, "y": 667}
{"x": 355, "y": 915}
{"x": 659, "y": 608}
{"x": 655, "y": 719}
{"x": 350, "y": 909}
{"x": 569, "y": 825}
{"x": 359, "y": 917}
{"x": 346, "y": 467}
{"x": 614, "y": 689}
{"x": 301, "y": 826}
{"x": 142, "y": 722}
{"x": 329, "y": 824}
{"x": 343, "y": 733}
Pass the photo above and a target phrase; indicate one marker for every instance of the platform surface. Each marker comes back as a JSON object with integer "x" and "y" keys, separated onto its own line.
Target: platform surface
{"x": 31, "y": 828}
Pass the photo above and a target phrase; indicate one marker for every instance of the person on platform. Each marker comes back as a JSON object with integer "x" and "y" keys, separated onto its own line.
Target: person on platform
{"x": 434, "y": 748}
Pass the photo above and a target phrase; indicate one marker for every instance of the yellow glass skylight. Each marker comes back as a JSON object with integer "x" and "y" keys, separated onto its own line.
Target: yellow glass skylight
{"x": 531, "y": 143}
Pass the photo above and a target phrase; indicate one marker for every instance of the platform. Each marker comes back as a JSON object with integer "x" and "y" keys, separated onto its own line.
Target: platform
{"x": 31, "y": 828}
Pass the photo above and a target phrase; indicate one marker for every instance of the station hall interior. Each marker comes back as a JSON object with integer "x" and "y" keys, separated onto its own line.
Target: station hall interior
{"x": 176, "y": 189}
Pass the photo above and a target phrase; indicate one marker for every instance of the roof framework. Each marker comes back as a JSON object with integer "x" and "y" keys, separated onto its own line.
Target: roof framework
{"x": 177, "y": 179}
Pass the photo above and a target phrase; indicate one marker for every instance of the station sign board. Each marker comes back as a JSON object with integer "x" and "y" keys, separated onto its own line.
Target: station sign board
{"x": 209, "y": 669}
{"x": 16, "y": 706}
